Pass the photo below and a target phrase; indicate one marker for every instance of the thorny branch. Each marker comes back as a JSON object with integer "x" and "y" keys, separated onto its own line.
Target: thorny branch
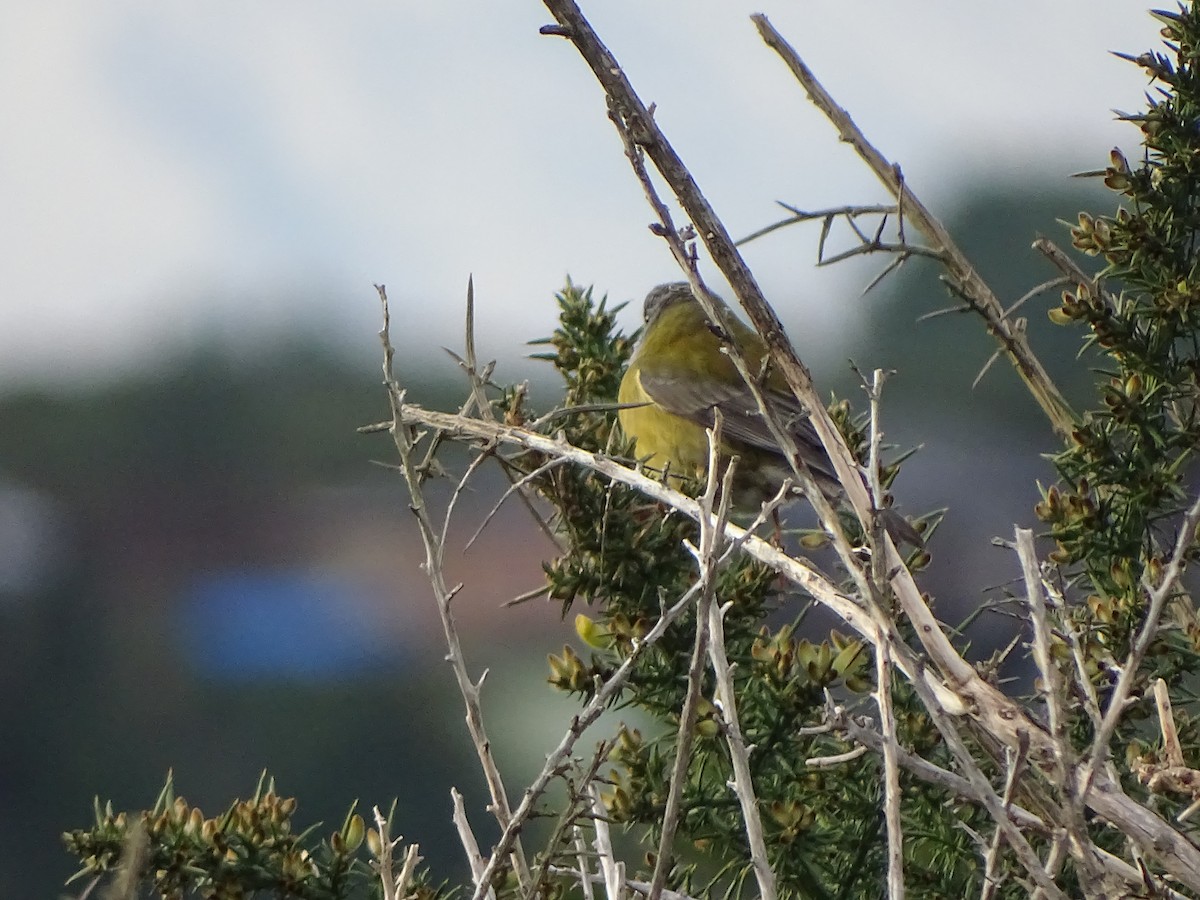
{"x": 639, "y": 122}
{"x": 444, "y": 594}
{"x": 685, "y": 734}
{"x": 965, "y": 279}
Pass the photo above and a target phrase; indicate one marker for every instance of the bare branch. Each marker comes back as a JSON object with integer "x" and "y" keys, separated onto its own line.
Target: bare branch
{"x": 395, "y": 887}
{"x": 582, "y": 875}
{"x": 836, "y": 759}
{"x": 467, "y": 838}
{"x": 891, "y": 770}
{"x": 579, "y": 806}
{"x": 712, "y": 533}
{"x": 612, "y": 871}
{"x": 1082, "y": 681}
{"x": 516, "y": 486}
{"x": 1166, "y": 723}
{"x": 993, "y": 804}
{"x": 1016, "y": 764}
{"x": 1079, "y": 843}
{"x": 827, "y": 217}
{"x": 1068, "y": 267}
{"x": 1034, "y": 292}
{"x": 802, "y": 574}
{"x": 883, "y": 659}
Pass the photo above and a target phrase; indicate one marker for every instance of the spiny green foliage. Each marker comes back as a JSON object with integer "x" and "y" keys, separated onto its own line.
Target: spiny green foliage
{"x": 251, "y": 848}
{"x": 1115, "y": 515}
{"x": 625, "y": 560}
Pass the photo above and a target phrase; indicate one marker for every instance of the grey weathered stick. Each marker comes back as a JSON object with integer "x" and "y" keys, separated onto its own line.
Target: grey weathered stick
{"x": 613, "y": 880}
{"x": 994, "y": 804}
{"x": 739, "y": 753}
{"x": 395, "y": 887}
{"x": 891, "y": 770}
{"x": 581, "y": 857}
{"x": 883, "y": 662}
{"x": 1016, "y": 763}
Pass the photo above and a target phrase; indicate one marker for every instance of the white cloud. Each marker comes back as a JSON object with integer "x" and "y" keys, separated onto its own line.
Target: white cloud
{"x": 172, "y": 169}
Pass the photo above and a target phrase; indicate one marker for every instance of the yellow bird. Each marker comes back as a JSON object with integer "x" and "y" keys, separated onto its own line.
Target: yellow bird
{"x": 680, "y": 374}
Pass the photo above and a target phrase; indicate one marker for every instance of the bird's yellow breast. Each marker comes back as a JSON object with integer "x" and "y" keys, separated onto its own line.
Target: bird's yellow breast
{"x": 663, "y": 439}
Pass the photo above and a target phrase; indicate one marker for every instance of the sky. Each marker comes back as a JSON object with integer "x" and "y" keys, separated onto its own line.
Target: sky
{"x": 177, "y": 172}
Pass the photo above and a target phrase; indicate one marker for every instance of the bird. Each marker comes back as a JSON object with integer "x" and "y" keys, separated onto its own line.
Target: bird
{"x": 680, "y": 375}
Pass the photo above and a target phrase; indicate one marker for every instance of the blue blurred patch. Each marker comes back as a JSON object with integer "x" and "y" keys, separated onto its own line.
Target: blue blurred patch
{"x": 283, "y": 623}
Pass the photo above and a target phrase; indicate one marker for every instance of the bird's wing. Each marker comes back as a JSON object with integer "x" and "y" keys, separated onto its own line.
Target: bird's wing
{"x": 695, "y": 399}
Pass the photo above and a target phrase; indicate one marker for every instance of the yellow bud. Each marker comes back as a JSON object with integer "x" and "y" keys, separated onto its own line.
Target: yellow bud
{"x": 195, "y": 821}
{"x": 1059, "y": 316}
{"x": 374, "y": 842}
{"x": 706, "y": 722}
{"x": 354, "y": 832}
{"x": 592, "y": 633}
{"x": 851, "y": 659}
